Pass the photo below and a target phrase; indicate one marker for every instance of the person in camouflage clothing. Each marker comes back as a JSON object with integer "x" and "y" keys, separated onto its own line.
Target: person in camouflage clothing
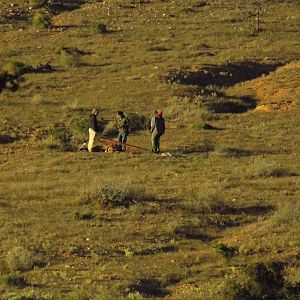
{"x": 122, "y": 124}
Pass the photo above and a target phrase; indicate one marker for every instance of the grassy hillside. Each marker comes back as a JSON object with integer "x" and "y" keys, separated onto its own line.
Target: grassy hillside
{"x": 216, "y": 215}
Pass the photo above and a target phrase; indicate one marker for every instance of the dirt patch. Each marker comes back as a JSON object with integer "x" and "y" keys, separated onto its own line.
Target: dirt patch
{"x": 283, "y": 106}
{"x": 276, "y": 91}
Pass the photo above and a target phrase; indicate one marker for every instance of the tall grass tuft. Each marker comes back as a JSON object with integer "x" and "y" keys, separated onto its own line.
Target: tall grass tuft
{"x": 61, "y": 137}
{"x": 41, "y": 20}
{"x": 19, "y": 259}
{"x": 114, "y": 194}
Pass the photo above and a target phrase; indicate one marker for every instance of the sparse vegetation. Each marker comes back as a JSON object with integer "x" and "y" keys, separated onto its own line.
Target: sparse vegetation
{"x": 226, "y": 179}
{"x": 61, "y": 137}
{"x": 118, "y": 195}
{"x": 14, "y": 279}
{"x": 97, "y": 27}
{"x": 19, "y": 259}
{"x": 69, "y": 57}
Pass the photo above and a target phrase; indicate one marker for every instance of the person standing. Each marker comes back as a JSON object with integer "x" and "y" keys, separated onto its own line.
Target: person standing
{"x": 122, "y": 124}
{"x": 157, "y": 129}
{"x": 93, "y": 129}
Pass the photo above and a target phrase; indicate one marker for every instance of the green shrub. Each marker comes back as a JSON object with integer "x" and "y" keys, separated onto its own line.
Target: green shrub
{"x": 19, "y": 259}
{"x": 138, "y": 122}
{"x": 14, "y": 279}
{"x": 264, "y": 281}
{"x": 69, "y": 57}
{"x": 80, "y": 128}
{"x": 97, "y": 27}
{"x": 61, "y": 137}
{"x": 84, "y": 215}
{"x": 14, "y": 68}
{"x": 225, "y": 251}
{"x": 37, "y": 3}
{"x": 117, "y": 195}
{"x": 277, "y": 172}
{"x": 288, "y": 215}
{"x": 41, "y": 21}
{"x": 76, "y": 295}
{"x": 29, "y": 295}
{"x": 110, "y": 130}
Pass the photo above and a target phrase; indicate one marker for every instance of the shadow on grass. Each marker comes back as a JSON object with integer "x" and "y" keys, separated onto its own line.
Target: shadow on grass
{"x": 58, "y": 6}
{"x": 255, "y": 210}
{"x": 6, "y": 139}
{"x": 193, "y": 233}
{"x": 148, "y": 287}
{"x": 222, "y": 76}
{"x": 237, "y": 152}
{"x": 163, "y": 249}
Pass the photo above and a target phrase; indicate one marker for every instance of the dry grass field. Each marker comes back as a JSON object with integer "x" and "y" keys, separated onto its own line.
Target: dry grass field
{"x": 216, "y": 215}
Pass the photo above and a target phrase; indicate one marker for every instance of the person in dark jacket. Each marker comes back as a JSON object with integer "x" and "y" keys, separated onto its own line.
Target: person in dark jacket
{"x": 157, "y": 129}
{"x": 93, "y": 129}
{"x": 122, "y": 124}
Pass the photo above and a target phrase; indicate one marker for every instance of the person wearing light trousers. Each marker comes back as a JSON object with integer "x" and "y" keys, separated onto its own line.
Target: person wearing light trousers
{"x": 93, "y": 129}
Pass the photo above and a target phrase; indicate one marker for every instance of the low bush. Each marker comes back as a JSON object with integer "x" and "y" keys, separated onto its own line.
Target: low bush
{"x": 277, "y": 172}
{"x": 225, "y": 251}
{"x": 116, "y": 195}
{"x": 14, "y": 279}
{"x": 288, "y": 215}
{"x": 19, "y": 259}
{"x": 265, "y": 280}
{"x": 110, "y": 130}
{"x": 61, "y": 137}
{"x": 138, "y": 122}
{"x": 75, "y": 295}
{"x": 84, "y": 215}
{"x": 41, "y": 20}
{"x": 69, "y": 57}
{"x": 14, "y": 68}
{"x": 97, "y": 27}
{"x": 37, "y": 3}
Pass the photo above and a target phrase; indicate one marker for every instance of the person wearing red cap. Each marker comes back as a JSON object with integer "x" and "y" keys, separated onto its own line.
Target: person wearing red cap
{"x": 157, "y": 129}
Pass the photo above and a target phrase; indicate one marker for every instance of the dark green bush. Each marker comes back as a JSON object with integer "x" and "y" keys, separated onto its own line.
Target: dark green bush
{"x": 41, "y": 20}
{"x": 264, "y": 281}
{"x": 116, "y": 195}
{"x": 61, "y": 137}
{"x": 97, "y": 27}
{"x": 13, "y": 67}
{"x": 138, "y": 122}
{"x": 225, "y": 251}
{"x": 14, "y": 279}
{"x": 110, "y": 130}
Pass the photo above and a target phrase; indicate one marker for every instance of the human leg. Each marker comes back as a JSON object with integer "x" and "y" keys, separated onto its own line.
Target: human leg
{"x": 92, "y": 135}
